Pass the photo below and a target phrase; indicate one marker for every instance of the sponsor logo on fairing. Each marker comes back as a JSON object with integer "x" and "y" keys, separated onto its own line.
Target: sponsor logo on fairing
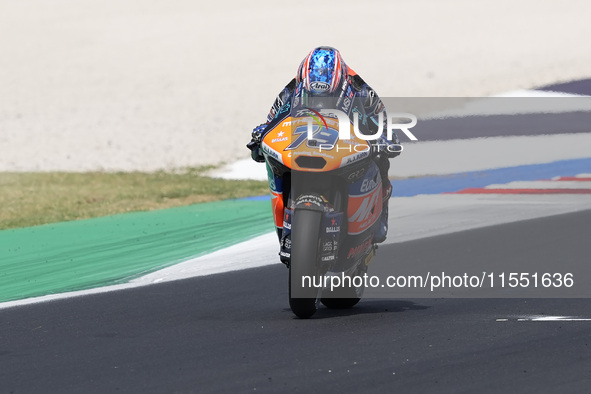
{"x": 356, "y": 175}
{"x": 368, "y": 185}
{"x": 356, "y": 157}
{"x": 280, "y": 137}
{"x": 364, "y": 211}
{"x": 270, "y": 152}
{"x": 359, "y": 249}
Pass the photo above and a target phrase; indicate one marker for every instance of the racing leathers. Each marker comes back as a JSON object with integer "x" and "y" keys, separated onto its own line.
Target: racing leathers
{"x": 357, "y": 99}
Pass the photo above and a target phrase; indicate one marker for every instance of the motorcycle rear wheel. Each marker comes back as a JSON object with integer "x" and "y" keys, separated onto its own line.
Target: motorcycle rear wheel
{"x": 346, "y": 298}
{"x": 341, "y": 297}
{"x": 305, "y": 238}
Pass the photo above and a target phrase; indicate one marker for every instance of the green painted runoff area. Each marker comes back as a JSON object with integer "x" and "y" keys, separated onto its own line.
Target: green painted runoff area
{"x": 83, "y": 254}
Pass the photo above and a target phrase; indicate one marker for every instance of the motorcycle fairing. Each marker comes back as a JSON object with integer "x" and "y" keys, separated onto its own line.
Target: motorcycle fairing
{"x": 365, "y": 201}
{"x": 286, "y": 142}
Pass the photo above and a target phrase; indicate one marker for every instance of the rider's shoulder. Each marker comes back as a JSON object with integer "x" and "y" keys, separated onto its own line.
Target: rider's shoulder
{"x": 357, "y": 82}
{"x": 291, "y": 85}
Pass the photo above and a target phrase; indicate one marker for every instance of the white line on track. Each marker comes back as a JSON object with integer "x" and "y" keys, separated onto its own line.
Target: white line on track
{"x": 546, "y": 318}
{"x": 542, "y": 185}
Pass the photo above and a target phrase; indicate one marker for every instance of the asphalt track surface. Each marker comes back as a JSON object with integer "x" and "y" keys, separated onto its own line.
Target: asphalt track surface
{"x": 233, "y": 332}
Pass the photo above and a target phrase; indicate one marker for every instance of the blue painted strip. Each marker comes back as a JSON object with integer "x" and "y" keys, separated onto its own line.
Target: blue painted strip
{"x": 456, "y": 182}
{"x": 257, "y": 198}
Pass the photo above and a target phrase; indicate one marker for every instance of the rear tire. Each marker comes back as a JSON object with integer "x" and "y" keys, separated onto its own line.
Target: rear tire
{"x": 305, "y": 237}
{"x": 340, "y": 303}
{"x": 340, "y": 298}
{"x": 345, "y": 296}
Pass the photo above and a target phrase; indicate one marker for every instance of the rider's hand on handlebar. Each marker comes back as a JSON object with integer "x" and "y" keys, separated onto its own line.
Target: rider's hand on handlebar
{"x": 390, "y": 148}
{"x": 257, "y": 132}
{"x": 255, "y": 143}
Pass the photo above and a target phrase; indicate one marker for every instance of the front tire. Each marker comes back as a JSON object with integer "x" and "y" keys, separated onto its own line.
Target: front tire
{"x": 305, "y": 237}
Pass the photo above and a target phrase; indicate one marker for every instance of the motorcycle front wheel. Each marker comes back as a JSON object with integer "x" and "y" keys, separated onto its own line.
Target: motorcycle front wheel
{"x": 305, "y": 237}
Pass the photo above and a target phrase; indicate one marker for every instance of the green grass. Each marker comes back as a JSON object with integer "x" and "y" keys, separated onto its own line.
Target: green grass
{"x": 30, "y": 199}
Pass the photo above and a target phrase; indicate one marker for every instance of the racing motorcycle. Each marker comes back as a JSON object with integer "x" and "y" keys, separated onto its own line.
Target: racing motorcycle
{"x": 327, "y": 200}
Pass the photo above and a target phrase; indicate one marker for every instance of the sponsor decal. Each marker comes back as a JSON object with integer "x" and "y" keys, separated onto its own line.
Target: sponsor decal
{"x": 314, "y": 134}
{"x": 359, "y": 249}
{"x": 369, "y": 184}
{"x": 270, "y": 152}
{"x": 356, "y": 175}
{"x": 302, "y": 112}
{"x": 320, "y": 86}
{"x": 309, "y": 199}
{"x": 364, "y": 211}
{"x": 334, "y": 227}
{"x": 359, "y": 116}
{"x": 332, "y": 223}
{"x": 356, "y": 157}
{"x": 346, "y": 104}
{"x": 323, "y": 154}
{"x": 279, "y": 137}
{"x": 287, "y": 220}
{"x": 285, "y": 108}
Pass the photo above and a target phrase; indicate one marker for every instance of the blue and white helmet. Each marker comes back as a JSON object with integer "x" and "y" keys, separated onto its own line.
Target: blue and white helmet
{"x": 323, "y": 71}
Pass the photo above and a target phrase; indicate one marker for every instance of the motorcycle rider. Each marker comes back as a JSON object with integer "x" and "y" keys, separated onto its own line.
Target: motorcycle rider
{"x": 324, "y": 75}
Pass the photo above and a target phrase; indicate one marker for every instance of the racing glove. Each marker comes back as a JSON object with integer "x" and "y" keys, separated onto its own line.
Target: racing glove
{"x": 255, "y": 143}
{"x": 391, "y": 148}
